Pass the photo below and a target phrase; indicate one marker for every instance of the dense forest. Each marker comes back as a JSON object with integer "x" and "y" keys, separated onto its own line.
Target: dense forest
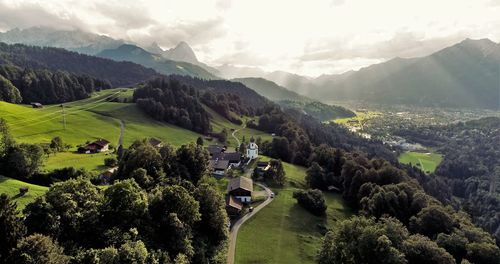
{"x": 35, "y": 85}
{"x": 179, "y": 100}
{"x": 318, "y": 110}
{"x": 171, "y": 101}
{"x": 398, "y": 222}
{"x": 55, "y": 59}
{"x": 469, "y": 175}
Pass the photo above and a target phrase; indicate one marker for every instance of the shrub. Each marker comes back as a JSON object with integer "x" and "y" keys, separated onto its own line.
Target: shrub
{"x": 312, "y": 200}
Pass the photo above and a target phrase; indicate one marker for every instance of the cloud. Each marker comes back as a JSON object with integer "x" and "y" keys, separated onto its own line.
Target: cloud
{"x": 402, "y": 44}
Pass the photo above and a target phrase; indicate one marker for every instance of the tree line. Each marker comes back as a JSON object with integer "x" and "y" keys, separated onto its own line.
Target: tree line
{"x": 27, "y": 85}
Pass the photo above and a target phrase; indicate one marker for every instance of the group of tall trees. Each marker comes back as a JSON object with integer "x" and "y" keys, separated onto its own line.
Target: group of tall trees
{"x": 469, "y": 175}
{"x": 171, "y": 101}
{"x": 30, "y": 85}
{"x": 391, "y": 201}
{"x": 160, "y": 209}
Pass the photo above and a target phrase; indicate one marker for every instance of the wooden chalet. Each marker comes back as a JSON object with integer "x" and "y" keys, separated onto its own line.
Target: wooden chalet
{"x": 241, "y": 188}
{"x": 233, "y": 206}
{"x": 97, "y": 146}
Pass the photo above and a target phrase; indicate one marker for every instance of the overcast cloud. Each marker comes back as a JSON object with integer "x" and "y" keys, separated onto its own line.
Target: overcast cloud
{"x": 309, "y": 37}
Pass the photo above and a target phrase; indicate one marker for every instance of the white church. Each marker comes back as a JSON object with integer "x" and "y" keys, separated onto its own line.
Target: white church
{"x": 252, "y": 150}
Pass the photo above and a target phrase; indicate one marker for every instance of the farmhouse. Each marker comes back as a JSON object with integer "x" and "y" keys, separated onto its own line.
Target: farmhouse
{"x": 241, "y": 188}
{"x": 97, "y": 146}
{"x": 215, "y": 149}
{"x": 219, "y": 167}
{"x": 36, "y": 105}
{"x": 233, "y": 206}
{"x": 252, "y": 150}
{"x": 155, "y": 142}
{"x": 234, "y": 158}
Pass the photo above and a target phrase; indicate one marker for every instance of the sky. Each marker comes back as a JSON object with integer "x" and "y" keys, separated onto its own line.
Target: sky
{"x": 307, "y": 37}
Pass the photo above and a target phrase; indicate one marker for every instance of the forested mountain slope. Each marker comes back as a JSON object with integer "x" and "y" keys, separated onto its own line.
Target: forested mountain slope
{"x": 117, "y": 73}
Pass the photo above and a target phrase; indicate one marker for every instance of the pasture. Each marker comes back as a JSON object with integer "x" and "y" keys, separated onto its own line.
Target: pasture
{"x": 427, "y": 162}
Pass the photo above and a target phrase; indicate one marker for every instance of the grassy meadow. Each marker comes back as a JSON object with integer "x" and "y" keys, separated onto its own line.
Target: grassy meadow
{"x": 427, "y": 162}
{"x": 11, "y": 188}
{"x": 284, "y": 231}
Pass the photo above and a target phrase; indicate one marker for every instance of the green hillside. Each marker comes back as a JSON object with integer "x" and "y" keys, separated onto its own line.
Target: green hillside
{"x": 97, "y": 117}
{"x": 286, "y": 232}
{"x": 11, "y": 188}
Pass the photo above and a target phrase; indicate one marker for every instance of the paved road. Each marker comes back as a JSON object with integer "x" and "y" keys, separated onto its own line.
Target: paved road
{"x": 233, "y": 233}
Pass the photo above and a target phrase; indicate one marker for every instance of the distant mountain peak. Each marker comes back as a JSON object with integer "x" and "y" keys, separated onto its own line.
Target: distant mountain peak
{"x": 182, "y": 52}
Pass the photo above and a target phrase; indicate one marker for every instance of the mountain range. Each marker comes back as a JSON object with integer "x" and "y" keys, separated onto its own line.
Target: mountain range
{"x": 466, "y": 74}
{"x": 463, "y": 75}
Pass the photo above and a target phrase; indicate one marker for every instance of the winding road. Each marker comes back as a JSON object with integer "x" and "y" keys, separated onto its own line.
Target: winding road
{"x": 236, "y": 131}
{"x": 233, "y": 232}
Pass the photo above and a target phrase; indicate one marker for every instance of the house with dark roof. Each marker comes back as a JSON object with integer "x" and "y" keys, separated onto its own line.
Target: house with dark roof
{"x": 233, "y": 206}
{"x": 234, "y": 158}
{"x": 219, "y": 167}
{"x": 105, "y": 177}
{"x": 97, "y": 146}
{"x": 155, "y": 142}
{"x": 241, "y": 188}
{"x": 215, "y": 149}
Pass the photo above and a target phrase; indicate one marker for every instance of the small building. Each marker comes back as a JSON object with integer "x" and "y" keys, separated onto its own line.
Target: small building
{"x": 241, "y": 188}
{"x": 155, "y": 142}
{"x": 105, "y": 177}
{"x": 234, "y": 158}
{"x": 262, "y": 167}
{"x": 252, "y": 151}
{"x": 219, "y": 167}
{"x": 36, "y": 105}
{"x": 97, "y": 146}
{"x": 215, "y": 149}
{"x": 233, "y": 206}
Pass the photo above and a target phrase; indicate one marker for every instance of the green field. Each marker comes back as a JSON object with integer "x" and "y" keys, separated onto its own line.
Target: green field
{"x": 359, "y": 118}
{"x": 96, "y": 117}
{"x": 425, "y": 161}
{"x": 284, "y": 232}
{"x": 219, "y": 123}
{"x": 11, "y": 188}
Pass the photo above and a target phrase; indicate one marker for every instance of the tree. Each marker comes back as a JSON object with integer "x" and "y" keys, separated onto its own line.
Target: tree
{"x": 174, "y": 212}
{"x": 24, "y": 160}
{"x": 192, "y": 161}
{"x": 12, "y": 228}
{"x": 57, "y": 144}
{"x": 243, "y": 149}
{"x": 311, "y": 200}
{"x": 276, "y": 173}
{"x": 37, "y": 249}
{"x": 69, "y": 211}
{"x": 8, "y": 92}
{"x": 484, "y": 253}
{"x": 361, "y": 240}
{"x": 141, "y": 155}
{"x": 420, "y": 249}
{"x": 6, "y": 140}
{"x": 212, "y": 229}
{"x": 133, "y": 253}
{"x": 431, "y": 221}
{"x": 199, "y": 141}
{"x": 124, "y": 206}
{"x": 315, "y": 176}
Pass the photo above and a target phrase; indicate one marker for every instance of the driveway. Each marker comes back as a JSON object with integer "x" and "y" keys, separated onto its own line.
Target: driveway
{"x": 233, "y": 233}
